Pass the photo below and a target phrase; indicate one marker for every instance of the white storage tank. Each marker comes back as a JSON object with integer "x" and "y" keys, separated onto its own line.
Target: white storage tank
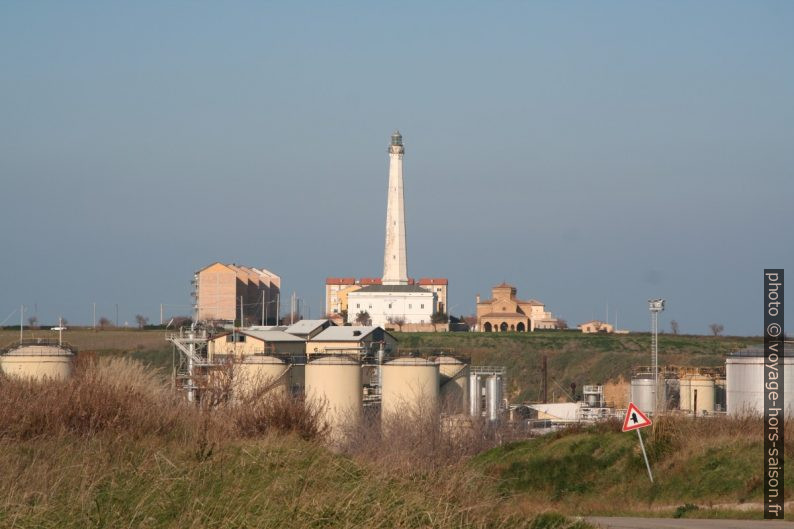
{"x": 454, "y": 382}
{"x": 642, "y": 393}
{"x": 685, "y": 394}
{"x": 744, "y": 381}
{"x": 410, "y": 385}
{"x": 475, "y": 395}
{"x": 701, "y": 394}
{"x": 335, "y": 383}
{"x": 38, "y": 360}
{"x": 260, "y": 373}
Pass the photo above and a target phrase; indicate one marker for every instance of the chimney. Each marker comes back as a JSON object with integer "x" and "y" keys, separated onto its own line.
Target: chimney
{"x": 356, "y": 333}
{"x": 478, "y": 298}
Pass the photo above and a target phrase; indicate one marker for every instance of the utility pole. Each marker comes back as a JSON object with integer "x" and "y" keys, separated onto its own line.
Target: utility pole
{"x": 94, "y": 316}
{"x": 278, "y": 307}
{"x": 117, "y": 314}
{"x": 263, "y": 308}
{"x": 161, "y": 313}
{"x": 21, "y": 321}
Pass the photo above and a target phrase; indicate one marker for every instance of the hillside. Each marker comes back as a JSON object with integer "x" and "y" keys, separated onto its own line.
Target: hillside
{"x": 712, "y": 464}
{"x": 573, "y": 356}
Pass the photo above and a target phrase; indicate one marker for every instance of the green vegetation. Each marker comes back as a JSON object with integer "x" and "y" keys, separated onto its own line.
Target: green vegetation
{"x": 704, "y": 468}
{"x": 573, "y": 356}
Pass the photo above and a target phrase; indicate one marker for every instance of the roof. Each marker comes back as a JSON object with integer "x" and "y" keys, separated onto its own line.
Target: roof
{"x": 340, "y": 280}
{"x": 266, "y": 336}
{"x": 391, "y": 288}
{"x": 504, "y": 285}
{"x": 370, "y": 281}
{"x": 345, "y": 334}
{"x": 533, "y": 302}
{"x": 433, "y": 281}
{"x": 505, "y": 315}
{"x": 597, "y": 322}
{"x": 305, "y": 326}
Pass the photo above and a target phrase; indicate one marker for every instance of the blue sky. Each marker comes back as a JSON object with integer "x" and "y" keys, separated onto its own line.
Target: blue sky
{"x": 589, "y": 153}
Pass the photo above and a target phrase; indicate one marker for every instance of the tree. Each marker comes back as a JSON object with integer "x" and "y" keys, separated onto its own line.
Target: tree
{"x": 399, "y": 321}
{"x": 141, "y": 320}
{"x": 439, "y": 317}
{"x": 33, "y": 322}
{"x": 562, "y": 324}
{"x": 716, "y": 328}
{"x": 104, "y": 323}
{"x": 362, "y": 318}
{"x": 471, "y": 321}
{"x": 181, "y": 321}
{"x": 674, "y": 326}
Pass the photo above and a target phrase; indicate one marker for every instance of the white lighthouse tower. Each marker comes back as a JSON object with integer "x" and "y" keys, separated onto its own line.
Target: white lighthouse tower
{"x": 395, "y": 260}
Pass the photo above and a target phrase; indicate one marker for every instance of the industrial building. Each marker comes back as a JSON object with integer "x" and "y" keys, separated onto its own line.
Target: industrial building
{"x": 230, "y": 292}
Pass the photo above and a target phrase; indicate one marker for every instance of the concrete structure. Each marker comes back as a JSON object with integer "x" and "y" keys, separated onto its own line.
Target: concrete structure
{"x": 595, "y": 326}
{"x": 219, "y": 288}
{"x": 37, "y": 360}
{"x": 454, "y": 381}
{"x": 244, "y": 342}
{"x": 334, "y": 383}
{"x": 410, "y": 386}
{"x": 335, "y": 339}
{"x": 744, "y": 373}
{"x": 505, "y": 312}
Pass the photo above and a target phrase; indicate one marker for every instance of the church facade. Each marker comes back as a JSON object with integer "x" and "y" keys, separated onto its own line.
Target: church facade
{"x": 504, "y": 312}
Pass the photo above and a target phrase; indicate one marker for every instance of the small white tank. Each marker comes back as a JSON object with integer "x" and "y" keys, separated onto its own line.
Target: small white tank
{"x": 38, "y": 362}
{"x": 685, "y": 394}
{"x": 701, "y": 394}
{"x": 410, "y": 385}
{"x": 260, "y": 372}
{"x": 335, "y": 383}
{"x": 454, "y": 382}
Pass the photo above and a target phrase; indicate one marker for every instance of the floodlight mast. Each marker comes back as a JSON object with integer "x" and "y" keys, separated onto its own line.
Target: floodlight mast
{"x": 656, "y": 306}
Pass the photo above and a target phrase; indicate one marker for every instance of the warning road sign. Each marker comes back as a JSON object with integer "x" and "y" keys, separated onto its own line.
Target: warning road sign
{"x": 635, "y": 419}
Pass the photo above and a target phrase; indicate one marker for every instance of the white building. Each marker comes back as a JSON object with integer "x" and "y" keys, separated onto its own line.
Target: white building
{"x": 388, "y": 304}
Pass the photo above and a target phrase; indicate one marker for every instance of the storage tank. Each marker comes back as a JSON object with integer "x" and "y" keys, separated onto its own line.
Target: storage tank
{"x": 701, "y": 394}
{"x": 685, "y": 394}
{"x": 410, "y": 385}
{"x": 475, "y": 395}
{"x": 334, "y": 382}
{"x": 261, "y": 373}
{"x": 744, "y": 381}
{"x": 454, "y": 382}
{"x": 40, "y": 360}
{"x": 642, "y": 393}
{"x": 493, "y": 397}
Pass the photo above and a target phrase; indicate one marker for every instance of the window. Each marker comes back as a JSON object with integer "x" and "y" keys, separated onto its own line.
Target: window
{"x": 358, "y": 305}
{"x": 370, "y": 305}
{"x": 422, "y": 306}
{"x": 410, "y": 306}
{"x": 389, "y": 305}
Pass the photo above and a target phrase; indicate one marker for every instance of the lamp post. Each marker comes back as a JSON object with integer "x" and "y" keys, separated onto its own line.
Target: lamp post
{"x": 655, "y": 306}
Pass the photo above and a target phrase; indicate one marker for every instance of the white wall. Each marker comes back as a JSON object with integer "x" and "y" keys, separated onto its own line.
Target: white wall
{"x": 415, "y": 307}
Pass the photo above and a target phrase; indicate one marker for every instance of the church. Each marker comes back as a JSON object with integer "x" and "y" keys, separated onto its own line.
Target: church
{"x": 396, "y": 298}
{"x": 504, "y": 312}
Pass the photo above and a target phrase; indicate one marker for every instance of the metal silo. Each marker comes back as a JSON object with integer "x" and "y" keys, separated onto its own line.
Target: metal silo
{"x": 255, "y": 373}
{"x": 642, "y": 392}
{"x": 410, "y": 385}
{"x": 38, "y": 360}
{"x": 744, "y": 380}
{"x": 475, "y": 395}
{"x": 493, "y": 397}
{"x": 334, "y": 382}
{"x": 454, "y": 382}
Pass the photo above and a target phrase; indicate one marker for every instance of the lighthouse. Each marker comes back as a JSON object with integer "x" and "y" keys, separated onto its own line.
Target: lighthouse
{"x": 395, "y": 259}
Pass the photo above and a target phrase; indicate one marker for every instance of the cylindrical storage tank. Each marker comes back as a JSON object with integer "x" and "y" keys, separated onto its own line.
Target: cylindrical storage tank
{"x": 685, "y": 394}
{"x": 701, "y": 394}
{"x": 454, "y": 382}
{"x": 335, "y": 384}
{"x": 642, "y": 394}
{"x": 744, "y": 381}
{"x": 475, "y": 395}
{"x": 38, "y": 362}
{"x": 260, "y": 373}
{"x": 493, "y": 396}
{"x": 410, "y": 385}
{"x": 719, "y": 394}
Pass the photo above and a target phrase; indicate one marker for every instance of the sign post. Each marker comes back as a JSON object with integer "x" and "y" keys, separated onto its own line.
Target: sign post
{"x": 636, "y": 420}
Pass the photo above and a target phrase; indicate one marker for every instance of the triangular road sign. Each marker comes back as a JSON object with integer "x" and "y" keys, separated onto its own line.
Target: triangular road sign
{"x": 635, "y": 419}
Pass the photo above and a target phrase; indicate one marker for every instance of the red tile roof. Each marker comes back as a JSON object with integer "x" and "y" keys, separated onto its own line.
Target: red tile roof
{"x": 369, "y": 281}
{"x": 433, "y": 281}
{"x": 340, "y": 281}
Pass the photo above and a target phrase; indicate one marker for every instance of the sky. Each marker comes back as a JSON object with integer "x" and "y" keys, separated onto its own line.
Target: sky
{"x": 593, "y": 154}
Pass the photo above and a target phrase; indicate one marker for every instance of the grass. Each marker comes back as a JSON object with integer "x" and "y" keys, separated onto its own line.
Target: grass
{"x": 712, "y": 464}
{"x": 113, "y": 447}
